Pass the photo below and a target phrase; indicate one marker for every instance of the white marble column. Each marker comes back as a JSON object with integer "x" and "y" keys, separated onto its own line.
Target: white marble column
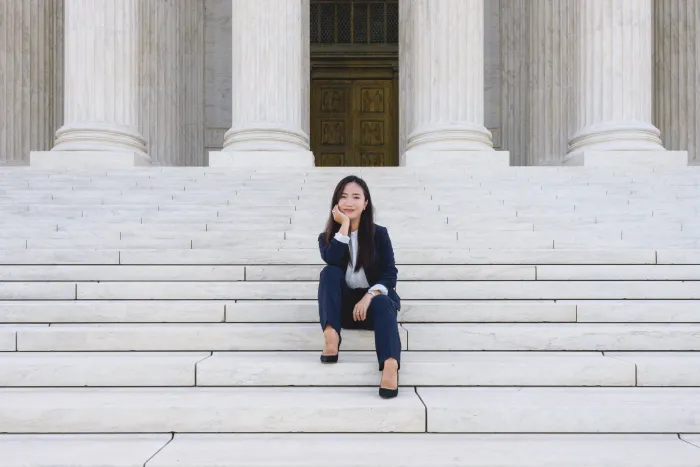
{"x": 101, "y": 102}
{"x": 442, "y": 56}
{"x": 27, "y": 74}
{"x": 551, "y": 73}
{"x": 271, "y": 85}
{"x": 677, "y": 73}
{"x": 614, "y": 87}
{"x": 172, "y": 75}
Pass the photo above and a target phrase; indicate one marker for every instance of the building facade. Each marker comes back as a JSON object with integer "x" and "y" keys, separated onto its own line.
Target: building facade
{"x": 344, "y": 82}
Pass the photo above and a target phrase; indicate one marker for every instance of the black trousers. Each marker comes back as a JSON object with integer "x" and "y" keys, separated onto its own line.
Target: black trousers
{"x": 336, "y": 302}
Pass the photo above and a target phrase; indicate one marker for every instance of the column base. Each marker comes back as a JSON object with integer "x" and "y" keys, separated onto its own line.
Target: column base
{"x": 445, "y": 159}
{"x": 261, "y": 159}
{"x": 636, "y": 159}
{"x": 87, "y": 159}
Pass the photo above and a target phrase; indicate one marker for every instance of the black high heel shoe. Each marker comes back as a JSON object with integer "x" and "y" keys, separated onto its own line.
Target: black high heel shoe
{"x": 385, "y": 393}
{"x": 332, "y": 358}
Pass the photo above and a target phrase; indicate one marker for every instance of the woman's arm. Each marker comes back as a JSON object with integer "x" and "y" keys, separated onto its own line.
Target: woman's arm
{"x": 387, "y": 273}
{"x": 334, "y": 252}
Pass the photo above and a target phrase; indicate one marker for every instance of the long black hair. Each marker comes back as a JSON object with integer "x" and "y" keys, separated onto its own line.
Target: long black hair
{"x": 365, "y": 233}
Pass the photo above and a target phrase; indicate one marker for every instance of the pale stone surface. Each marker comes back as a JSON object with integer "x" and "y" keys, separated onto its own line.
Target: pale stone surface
{"x": 692, "y": 439}
{"x": 270, "y": 103}
{"x": 678, "y": 256}
{"x": 31, "y": 29}
{"x": 663, "y": 369}
{"x": 37, "y": 291}
{"x": 112, "y": 450}
{"x": 417, "y": 369}
{"x": 455, "y": 311}
{"x": 207, "y": 337}
{"x": 443, "y": 113}
{"x": 615, "y": 90}
{"x": 98, "y": 369}
{"x": 78, "y": 159}
{"x": 92, "y": 273}
{"x": 206, "y": 410}
{"x": 656, "y": 311}
{"x": 562, "y": 336}
{"x": 101, "y": 106}
{"x": 619, "y": 272}
{"x": 435, "y": 450}
{"x": 8, "y": 339}
{"x": 539, "y": 410}
{"x": 118, "y": 311}
{"x": 195, "y": 290}
{"x": 629, "y": 158}
{"x": 453, "y": 157}
{"x": 269, "y": 158}
{"x": 677, "y": 73}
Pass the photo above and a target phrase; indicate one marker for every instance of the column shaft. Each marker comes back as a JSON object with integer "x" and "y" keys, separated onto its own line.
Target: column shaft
{"x": 443, "y": 62}
{"x": 101, "y": 77}
{"x": 614, "y": 95}
{"x": 271, "y": 76}
{"x": 677, "y": 57}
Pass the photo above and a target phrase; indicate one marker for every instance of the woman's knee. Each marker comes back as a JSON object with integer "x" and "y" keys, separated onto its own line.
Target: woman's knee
{"x": 381, "y": 304}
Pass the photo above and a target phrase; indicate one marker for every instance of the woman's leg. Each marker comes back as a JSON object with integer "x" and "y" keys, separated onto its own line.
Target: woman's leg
{"x": 387, "y": 341}
{"x": 330, "y": 304}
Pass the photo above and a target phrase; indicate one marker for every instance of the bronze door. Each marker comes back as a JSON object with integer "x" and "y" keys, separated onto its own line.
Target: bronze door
{"x": 352, "y": 123}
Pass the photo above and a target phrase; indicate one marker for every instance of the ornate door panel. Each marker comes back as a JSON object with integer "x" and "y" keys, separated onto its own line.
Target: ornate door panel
{"x": 352, "y": 123}
{"x": 372, "y": 123}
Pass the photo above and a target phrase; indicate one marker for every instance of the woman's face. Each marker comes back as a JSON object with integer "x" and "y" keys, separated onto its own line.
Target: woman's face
{"x": 352, "y": 201}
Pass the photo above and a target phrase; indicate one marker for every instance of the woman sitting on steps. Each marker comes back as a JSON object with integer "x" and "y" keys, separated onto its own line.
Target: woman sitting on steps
{"x": 357, "y": 287}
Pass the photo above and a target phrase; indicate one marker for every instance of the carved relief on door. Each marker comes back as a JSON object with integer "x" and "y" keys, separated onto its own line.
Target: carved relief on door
{"x": 352, "y": 123}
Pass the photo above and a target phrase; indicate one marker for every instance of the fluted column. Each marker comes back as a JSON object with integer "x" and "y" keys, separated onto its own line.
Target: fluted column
{"x": 677, "y": 60}
{"x": 551, "y": 73}
{"x": 443, "y": 60}
{"x": 27, "y": 74}
{"x": 171, "y": 75}
{"x": 101, "y": 102}
{"x": 614, "y": 95}
{"x": 271, "y": 85}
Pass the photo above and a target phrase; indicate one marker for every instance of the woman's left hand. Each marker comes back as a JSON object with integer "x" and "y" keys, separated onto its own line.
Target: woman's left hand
{"x": 360, "y": 311}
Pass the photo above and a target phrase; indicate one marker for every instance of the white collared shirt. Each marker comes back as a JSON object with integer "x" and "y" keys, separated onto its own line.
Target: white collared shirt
{"x": 356, "y": 280}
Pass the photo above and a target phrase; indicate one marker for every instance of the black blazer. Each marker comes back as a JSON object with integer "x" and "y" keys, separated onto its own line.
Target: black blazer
{"x": 383, "y": 271}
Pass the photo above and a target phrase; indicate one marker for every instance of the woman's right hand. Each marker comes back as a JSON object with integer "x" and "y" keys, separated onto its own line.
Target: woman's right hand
{"x": 338, "y": 216}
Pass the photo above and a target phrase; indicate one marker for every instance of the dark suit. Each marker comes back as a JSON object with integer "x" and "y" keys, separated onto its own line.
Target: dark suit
{"x": 336, "y": 300}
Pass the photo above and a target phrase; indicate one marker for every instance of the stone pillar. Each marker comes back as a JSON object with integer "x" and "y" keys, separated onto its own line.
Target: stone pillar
{"x": 614, "y": 87}
{"x": 172, "y": 75}
{"x": 271, "y": 86}
{"x": 551, "y": 73}
{"x": 677, "y": 68}
{"x": 101, "y": 101}
{"x": 442, "y": 57}
{"x": 28, "y": 65}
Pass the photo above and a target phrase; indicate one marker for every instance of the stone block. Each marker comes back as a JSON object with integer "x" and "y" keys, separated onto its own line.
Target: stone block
{"x": 417, "y": 369}
{"x": 252, "y": 159}
{"x": 631, "y": 159}
{"x": 652, "y": 311}
{"x": 618, "y": 273}
{"x": 554, "y": 337}
{"x": 46, "y": 257}
{"x": 188, "y": 337}
{"x": 663, "y": 369}
{"x": 208, "y": 410}
{"x": 56, "y": 369}
{"x": 481, "y": 159}
{"x": 37, "y": 291}
{"x": 113, "y": 450}
{"x": 91, "y": 273}
{"x": 86, "y": 160}
{"x": 561, "y": 410}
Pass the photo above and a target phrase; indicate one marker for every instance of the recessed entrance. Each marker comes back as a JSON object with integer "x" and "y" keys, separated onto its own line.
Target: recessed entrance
{"x": 354, "y": 83}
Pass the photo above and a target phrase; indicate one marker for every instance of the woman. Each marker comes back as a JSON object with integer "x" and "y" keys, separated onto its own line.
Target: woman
{"x": 357, "y": 287}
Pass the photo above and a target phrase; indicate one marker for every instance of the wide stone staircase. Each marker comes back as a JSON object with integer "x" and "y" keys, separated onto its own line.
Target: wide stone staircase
{"x": 167, "y": 317}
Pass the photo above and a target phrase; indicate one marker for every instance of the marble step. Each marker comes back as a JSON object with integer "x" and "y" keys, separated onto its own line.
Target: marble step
{"x": 208, "y": 410}
{"x": 306, "y": 311}
{"x": 188, "y": 337}
{"x": 56, "y": 369}
{"x": 307, "y": 290}
{"x": 561, "y": 410}
{"x": 143, "y": 369}
{"x": 113, "y": 450}
{"x": 444, "y": 450}
{"x": 367, "y": 450}
{"x": 548, "y": 337}
{"x": 414, "y": 337}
